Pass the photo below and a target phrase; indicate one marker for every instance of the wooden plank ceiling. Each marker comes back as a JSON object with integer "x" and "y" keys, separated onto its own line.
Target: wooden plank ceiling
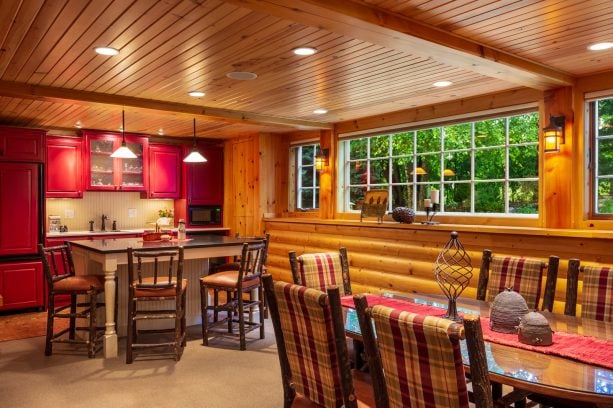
{"x": 374, "y": 56}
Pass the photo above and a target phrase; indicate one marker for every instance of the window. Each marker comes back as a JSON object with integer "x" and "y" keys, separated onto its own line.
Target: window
{"x": 601, "y": 130}
{"x": 307, "y": 178}
{"x": 487, "y": 166}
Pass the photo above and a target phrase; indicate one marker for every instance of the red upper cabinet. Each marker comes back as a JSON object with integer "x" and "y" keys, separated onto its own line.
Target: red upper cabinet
{"x": 102, "y": 172}
{"x": 164, "y": 171}
{"x": 64, "y": 175}
{"x": 21, "y": 144}
{"x": 204, "y": 181}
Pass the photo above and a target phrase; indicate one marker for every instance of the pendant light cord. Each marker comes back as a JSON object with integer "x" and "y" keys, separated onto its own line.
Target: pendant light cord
{"x": 194, "y": 133}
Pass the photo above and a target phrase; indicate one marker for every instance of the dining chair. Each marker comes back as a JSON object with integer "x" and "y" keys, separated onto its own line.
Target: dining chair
{"x": 235, "y": 283}
{"x": 320, "y": 270}
{"x": 523, "y": 275}
{"x": 61, "y": 279}
{"x": 155, "y": 287}
{"x": 415, "y": 360}
{"x": 597, "y": 292}
{"x": 310, "y": 334}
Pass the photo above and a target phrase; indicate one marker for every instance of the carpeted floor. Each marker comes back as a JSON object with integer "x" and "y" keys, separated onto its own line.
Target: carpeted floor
{"x": 206, "y": 377}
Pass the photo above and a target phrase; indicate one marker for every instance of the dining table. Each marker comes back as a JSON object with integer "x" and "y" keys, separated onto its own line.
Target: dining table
{"x": 109, "y": 257}
{"x": 532, "y": 369}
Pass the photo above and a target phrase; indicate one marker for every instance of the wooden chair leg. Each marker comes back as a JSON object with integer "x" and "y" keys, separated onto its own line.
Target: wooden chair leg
{"x": 130, "y": 334}
{"x": 261, "y": 309}
{"x": 50, "y": 318}
{"x": 91, "y": 346}
{"x": 183, "y": 322}
{"x": 215, "y": 302}
{"x": 73, "y": 312}
{"x": 241, "y": 322}
{"x": 178, "y": 346}
{"x": 204, "y": 305}
{"x": 229, "y": 310}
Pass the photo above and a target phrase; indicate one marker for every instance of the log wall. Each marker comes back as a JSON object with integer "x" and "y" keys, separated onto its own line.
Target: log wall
{"x": 400, "y": 258}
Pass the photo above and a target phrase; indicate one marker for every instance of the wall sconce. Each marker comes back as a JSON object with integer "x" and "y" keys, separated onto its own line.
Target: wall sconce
{"x": 322, "y": 159}
{"x": 553, "y": 134}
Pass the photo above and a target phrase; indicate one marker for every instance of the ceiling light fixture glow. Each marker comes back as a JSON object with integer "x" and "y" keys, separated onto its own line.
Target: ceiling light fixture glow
{"x": 124, "y": 151}
{"x": 320, "y": 111}
{"x": 304, "y": 51}
{"x": 108, "y": 51}
{"x": 196, "y": 94}
{"x": 600, "y": 46}
{"x": 442, "y": 84}
{"x": 194, "y": 156}
{"x": 242, "y": 75}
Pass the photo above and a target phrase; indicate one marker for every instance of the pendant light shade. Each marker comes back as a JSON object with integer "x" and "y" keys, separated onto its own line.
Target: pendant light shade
{"x": 123, "y": 152}
{"x": 194, "y": 156}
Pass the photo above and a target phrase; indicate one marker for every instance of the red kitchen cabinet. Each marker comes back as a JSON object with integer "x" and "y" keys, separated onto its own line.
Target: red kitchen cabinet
{"x": 164, "y": 171}
{"x": 204, "y": 181}
{"x": 64, "y": 167}
{"x": 18, "y": 144}
{"x": 103, "y": 172}
{"x": 21, "y": 284}
{"x": 20, "y": 208}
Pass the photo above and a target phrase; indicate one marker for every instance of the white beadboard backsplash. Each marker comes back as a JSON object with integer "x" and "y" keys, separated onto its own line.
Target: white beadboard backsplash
{"x": 116, "y": 205}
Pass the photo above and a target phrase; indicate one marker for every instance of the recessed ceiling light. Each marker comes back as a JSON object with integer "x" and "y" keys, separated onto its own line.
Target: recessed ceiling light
{"x": 78, "y": 124}
{"x": 304, "y": 51}
{"x": 600, "y": 46}
{"x": 320, "y": 111}
{"x": 441, "y": 84}
{"x": 161, "y": 132}
{"x": 106, "y": 51}
{"x": 241, "y": 75}
{"x": 196, "y": 94}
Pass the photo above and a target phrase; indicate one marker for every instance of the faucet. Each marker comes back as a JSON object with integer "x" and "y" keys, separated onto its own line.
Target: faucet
{"x": 104, "y": 218}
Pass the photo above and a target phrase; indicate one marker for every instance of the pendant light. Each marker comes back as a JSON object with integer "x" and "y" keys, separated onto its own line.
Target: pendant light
{"x": 124, "y": 151}
{"x": 194, "y": 156}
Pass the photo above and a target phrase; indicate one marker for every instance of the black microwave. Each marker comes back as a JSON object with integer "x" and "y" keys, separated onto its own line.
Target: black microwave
{"x": 204, "y": 216}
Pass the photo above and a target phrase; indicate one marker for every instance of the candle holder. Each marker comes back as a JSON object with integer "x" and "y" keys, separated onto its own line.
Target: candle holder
{"x": 430, "y": 213}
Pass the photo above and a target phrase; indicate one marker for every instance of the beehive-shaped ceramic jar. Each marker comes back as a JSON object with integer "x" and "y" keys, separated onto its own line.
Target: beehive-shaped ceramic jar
{"x": 534, "y": 329}
{"x": 507, "y": 310}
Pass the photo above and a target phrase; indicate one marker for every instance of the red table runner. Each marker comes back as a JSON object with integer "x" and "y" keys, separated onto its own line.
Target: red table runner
{"x": 587, "y": 349}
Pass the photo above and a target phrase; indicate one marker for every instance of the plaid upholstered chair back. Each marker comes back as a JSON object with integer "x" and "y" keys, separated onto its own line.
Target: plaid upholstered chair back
{"x": 523, "y": 275}
{"x": 321, "y": 270}
{"x": 311, "y": 343}
{"x": 415, "y": 360}
{"x": 597, "y": 291}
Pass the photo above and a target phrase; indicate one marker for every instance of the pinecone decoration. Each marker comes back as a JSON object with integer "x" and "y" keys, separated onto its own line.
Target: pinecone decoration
{"x": 403, "y": 215}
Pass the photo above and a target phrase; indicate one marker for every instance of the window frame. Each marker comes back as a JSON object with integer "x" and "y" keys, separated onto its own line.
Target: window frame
{"x": 345, "y": 163}
{"x": 592, "y": 136}
{"x": 298, "y": 166}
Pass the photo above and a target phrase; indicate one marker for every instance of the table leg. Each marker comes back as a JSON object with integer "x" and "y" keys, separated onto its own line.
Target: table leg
{"x": 110, "y": 333}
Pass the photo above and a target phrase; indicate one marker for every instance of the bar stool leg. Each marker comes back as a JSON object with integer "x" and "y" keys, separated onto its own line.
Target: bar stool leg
{"x": 204, "y": 306}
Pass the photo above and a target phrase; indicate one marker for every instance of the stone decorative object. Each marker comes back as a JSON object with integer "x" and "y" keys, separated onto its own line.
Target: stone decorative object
{"x": 404, "y": 215}
{"x": 534, "y": 330}
{"x": 507, "y": 310}
{"x": 453, "y": 270}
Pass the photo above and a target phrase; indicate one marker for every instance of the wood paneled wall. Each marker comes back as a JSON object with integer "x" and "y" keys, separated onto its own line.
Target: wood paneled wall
{"x": 400, "y": 258}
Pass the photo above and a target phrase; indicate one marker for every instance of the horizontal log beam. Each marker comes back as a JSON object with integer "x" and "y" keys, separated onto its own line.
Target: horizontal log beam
{"x": 393, "y": 31}
{"x": 54, "y": 94}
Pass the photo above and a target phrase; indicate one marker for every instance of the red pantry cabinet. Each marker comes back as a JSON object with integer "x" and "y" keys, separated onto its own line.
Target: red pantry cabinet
{"x": 164, "y": 171}
{"x": 64, "y": 171}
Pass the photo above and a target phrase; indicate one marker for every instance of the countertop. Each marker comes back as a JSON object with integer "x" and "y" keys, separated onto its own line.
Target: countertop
{"x": 119, "y": 245}
{"x": 123, "y": 232}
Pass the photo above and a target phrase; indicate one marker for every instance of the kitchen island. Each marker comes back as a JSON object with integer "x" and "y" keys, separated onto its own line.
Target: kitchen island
{"x": 109, "y": 257}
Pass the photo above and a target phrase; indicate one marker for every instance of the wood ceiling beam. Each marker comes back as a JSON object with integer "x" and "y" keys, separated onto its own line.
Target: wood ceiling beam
{"x": 377, "y": 26}
{"x": 54, "y": 94}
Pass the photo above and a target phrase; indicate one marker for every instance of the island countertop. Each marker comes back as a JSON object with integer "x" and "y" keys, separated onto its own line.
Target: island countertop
{"x": 118, "y": 245}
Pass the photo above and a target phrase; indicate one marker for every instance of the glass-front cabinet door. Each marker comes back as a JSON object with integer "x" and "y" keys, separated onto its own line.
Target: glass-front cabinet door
{"x": 106, "y": 173}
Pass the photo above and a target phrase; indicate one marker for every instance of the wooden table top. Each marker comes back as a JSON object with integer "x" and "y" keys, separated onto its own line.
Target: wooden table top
{"x": 530, "y": 370}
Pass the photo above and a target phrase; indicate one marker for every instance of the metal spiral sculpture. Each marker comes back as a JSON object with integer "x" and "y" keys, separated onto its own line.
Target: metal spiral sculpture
{"x": 453, "y": 271}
